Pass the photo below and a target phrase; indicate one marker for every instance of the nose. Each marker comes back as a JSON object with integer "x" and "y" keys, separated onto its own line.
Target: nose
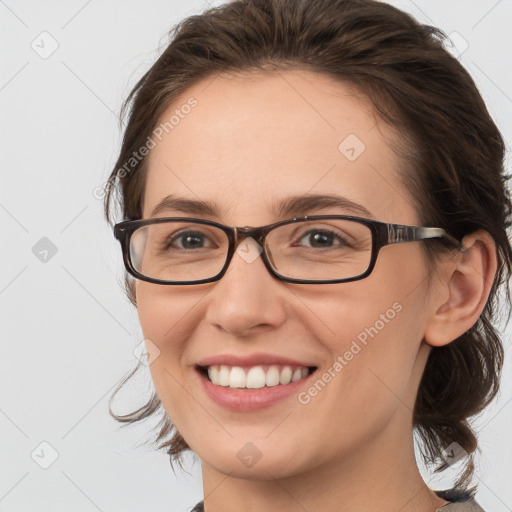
{"x": 247, "y": 298}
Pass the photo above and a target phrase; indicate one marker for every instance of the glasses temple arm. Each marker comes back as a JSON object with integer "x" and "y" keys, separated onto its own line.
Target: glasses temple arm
{"x": 398, "y": 233}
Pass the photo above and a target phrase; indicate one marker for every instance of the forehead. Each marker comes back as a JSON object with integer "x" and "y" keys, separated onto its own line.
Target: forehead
{"x": 244, "y": 141}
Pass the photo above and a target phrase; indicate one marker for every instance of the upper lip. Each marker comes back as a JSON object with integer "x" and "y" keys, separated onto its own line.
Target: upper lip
{"x": 250, "y": 360}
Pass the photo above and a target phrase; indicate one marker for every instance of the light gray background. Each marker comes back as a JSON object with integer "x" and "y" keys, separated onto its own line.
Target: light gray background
{"x": 68, "y": 333}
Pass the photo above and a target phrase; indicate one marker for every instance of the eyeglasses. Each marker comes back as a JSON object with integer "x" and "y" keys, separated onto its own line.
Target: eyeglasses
{"x": 318, "y": 249}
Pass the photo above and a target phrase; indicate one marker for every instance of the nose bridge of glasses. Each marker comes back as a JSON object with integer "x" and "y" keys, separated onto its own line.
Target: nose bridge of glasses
{"x": 249, "y": 232}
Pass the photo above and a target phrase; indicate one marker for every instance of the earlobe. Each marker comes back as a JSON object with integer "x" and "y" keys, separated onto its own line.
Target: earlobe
{"x": 461, "y": 294}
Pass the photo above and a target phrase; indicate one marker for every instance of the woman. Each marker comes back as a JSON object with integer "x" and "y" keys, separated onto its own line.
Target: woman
{"x": 298, "y": 359}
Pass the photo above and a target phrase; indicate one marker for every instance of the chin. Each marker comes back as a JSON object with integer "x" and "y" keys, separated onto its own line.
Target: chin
{"x": 247, "y": 460}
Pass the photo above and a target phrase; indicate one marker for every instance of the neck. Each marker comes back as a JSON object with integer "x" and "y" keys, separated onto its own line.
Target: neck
{"x": 382, "y": 472}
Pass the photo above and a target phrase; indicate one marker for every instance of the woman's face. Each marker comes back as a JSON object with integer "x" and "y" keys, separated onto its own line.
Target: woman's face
{"x": 249, "y": 144}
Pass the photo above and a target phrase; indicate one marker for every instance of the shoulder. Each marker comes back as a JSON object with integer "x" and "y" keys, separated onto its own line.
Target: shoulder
{"x": 461, "y": 501}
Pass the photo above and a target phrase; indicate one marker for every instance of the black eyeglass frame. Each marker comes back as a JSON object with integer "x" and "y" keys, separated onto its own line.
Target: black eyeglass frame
{"x": 382, "y": 234}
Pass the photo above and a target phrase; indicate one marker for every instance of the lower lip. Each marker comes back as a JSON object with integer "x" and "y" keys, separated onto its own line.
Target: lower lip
{"x": 244, "y": 400}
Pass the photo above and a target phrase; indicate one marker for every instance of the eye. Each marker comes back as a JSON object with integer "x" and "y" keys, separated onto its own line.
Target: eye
{"x": 323, "y": 238}
{"x": 188, "y": 240}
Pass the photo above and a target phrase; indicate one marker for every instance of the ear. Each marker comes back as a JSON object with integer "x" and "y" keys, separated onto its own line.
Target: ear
{"x": 460, "y": 294}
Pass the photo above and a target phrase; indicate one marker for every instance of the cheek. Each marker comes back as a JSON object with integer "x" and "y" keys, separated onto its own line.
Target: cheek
{"x": 377, "y": 324}
{"x": 373, "y": 337}
{"x": 379, "y": 336}
{"x": 168, "y": 318}
{"x": 164, "y": 312}
{"x": 159, "y": 320}
{"x": 370, "y": 376}
{"x": 152, "y": 311}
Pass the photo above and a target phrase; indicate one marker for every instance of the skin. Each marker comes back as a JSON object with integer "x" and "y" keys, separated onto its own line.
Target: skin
{"x": 250, "y": 141}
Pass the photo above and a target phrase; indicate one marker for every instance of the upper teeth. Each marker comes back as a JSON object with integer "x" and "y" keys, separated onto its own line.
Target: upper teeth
{"x": 256, "y": 376}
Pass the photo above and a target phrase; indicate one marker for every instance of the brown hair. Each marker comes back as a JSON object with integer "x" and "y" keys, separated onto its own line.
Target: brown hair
{"x": 453, "y": 150}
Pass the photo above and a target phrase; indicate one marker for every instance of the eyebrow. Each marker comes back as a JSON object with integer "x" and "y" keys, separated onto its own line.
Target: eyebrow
{"x": 293, "y": 206}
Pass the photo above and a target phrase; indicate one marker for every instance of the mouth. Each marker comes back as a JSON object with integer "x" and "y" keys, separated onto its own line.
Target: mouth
{"x": 254, "y": 377}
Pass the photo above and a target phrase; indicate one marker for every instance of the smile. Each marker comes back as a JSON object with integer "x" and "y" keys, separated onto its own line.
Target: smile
{"x": 255, "y": 377}
{"x": 230, "y": 386}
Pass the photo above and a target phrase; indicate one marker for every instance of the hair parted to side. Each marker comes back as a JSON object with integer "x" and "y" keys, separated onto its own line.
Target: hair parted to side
{"x": 453, "y": 162}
